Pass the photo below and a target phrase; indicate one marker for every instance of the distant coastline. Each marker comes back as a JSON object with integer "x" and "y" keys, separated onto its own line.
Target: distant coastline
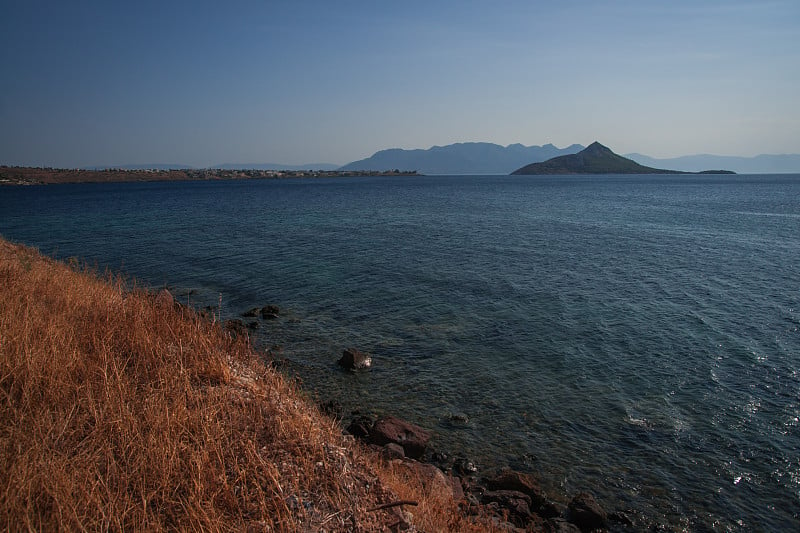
{"x": 43, "y": 176}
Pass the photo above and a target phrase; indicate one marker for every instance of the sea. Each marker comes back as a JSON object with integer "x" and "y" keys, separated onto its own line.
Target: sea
{"x": 636, "y": 337}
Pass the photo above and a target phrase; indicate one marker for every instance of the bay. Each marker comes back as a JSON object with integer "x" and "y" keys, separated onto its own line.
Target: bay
{"x": 635, "y": 336}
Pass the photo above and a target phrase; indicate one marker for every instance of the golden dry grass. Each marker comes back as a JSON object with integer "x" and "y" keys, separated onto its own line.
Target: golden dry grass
{"x": 120, "y": 410}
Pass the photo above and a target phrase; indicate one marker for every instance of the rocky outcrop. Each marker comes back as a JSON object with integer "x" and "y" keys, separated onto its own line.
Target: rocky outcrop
{"x": 353, "y": 359}
{"x": 514, "y": 500}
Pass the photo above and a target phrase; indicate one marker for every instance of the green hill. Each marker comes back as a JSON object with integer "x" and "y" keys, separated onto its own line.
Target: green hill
{"x": 595, "y": 159}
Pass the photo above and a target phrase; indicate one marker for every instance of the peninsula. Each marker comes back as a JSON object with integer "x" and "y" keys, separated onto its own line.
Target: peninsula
{"x": 39, "y": 176}
{"x": 597, "y": 159}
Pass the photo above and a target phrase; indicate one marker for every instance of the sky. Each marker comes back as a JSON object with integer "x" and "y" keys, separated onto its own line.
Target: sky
{"x": 199, "y": 83}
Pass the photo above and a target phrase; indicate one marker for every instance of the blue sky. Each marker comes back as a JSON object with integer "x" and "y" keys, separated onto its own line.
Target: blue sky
{"x": 204, "y": 83}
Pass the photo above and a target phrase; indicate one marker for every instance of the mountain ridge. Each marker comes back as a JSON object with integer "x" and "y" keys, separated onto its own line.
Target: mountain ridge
{"x": 460, "y": 158}
{"x": 491, "y": 158}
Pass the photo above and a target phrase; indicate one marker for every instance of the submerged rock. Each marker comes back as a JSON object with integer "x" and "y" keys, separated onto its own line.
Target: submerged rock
{"x": 269, "y": 312}
{"x": 353, "y": 359}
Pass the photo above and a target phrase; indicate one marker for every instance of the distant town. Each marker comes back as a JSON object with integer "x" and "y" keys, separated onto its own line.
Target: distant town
{"x": 40, "y": 176}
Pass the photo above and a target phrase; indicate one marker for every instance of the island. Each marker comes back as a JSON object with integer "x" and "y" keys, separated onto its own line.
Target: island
{"x": 597, "y": 159}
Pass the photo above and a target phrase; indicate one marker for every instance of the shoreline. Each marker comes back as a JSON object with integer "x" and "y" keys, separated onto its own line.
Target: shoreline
{"x": 130, "y": 375}
{"x": 499, "y": 485}
{"x": 12, "y": 176}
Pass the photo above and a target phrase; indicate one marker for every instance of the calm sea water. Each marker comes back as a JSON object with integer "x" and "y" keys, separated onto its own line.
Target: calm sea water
{"x": 634, "y": 336}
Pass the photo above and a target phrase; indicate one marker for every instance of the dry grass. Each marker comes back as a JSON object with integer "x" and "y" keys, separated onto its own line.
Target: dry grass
{"x": 120, "y": 410}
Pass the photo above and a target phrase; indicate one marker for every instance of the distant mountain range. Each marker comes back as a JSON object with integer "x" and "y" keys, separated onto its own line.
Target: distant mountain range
{"x": 760, "y": 164}
{"x": 595, "y": 159}
{"x": 461, "y": 158}
{"x": 489, "y": 158}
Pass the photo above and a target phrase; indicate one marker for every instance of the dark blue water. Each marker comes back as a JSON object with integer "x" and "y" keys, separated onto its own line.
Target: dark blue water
{"x": 636, "y": 336}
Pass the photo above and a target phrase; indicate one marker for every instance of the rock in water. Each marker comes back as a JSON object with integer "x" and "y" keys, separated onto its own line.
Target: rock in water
{"x": 270, "y": 312}
{"x": 412, "y": 438}
{"x": 353, "y": 359}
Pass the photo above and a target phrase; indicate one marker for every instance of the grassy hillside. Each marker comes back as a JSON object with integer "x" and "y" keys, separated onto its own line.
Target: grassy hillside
{"x": 121, "y": 410}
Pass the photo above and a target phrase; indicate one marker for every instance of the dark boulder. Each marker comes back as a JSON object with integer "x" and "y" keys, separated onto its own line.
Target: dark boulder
{"x": 411, "y": 437}
{"x": 353, "y": 359}
{"x": 360, "y": 427}
{"x": 586, "y": 513}
{"x": 251, "y": 313}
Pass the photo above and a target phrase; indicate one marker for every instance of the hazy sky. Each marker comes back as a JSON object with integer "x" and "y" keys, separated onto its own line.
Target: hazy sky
{"x": 203, "y": 83}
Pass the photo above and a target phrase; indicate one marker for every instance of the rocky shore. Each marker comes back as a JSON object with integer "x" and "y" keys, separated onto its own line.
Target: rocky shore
{"x": 515, "y": 500}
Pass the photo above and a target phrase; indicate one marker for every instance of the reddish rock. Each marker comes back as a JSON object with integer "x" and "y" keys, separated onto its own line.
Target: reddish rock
{"x": 458, "y": 488}
{"x": 507, "y": 479}
{"x": 411, "y": 437}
